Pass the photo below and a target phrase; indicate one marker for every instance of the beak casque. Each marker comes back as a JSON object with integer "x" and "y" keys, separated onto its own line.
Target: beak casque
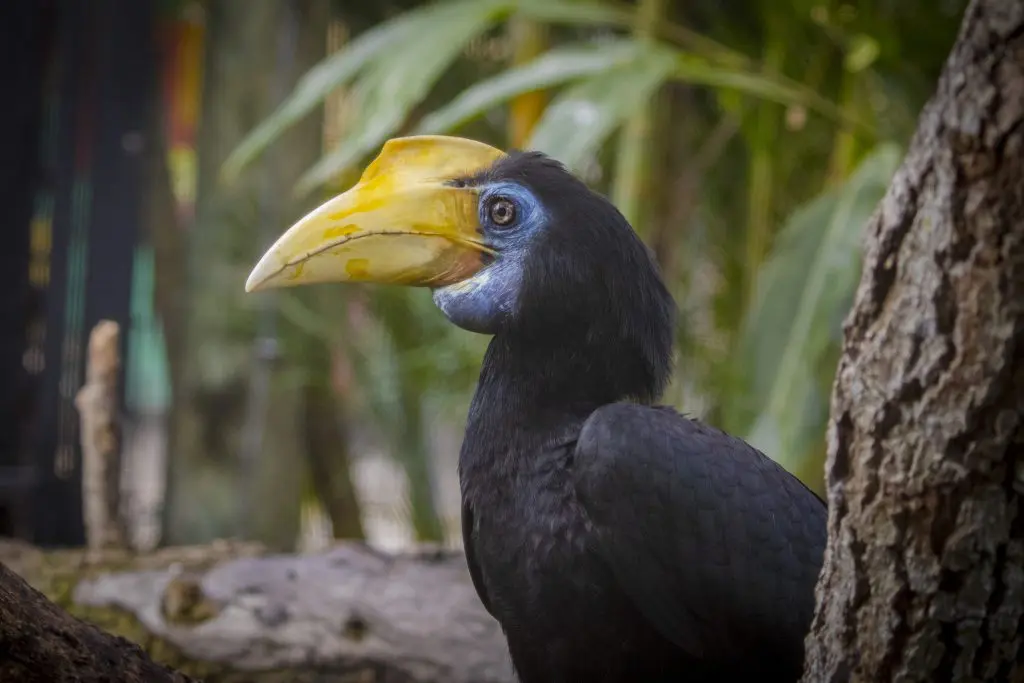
{"x": 404, "y": 222}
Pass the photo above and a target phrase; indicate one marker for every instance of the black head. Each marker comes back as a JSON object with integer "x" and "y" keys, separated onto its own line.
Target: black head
{"x": 568, "y": 273}
{"x": 512, "y": 245}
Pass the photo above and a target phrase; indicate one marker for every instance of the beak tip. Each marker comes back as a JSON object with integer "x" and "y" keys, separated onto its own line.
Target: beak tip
{"x": 260, "y": 276}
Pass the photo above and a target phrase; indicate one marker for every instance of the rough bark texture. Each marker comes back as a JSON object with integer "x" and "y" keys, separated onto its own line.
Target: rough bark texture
{"x": 229, "y": 613}
{"x": 41, "y": 643}
{"x": 97, "y": 404}
{"x": 924, "y": 574}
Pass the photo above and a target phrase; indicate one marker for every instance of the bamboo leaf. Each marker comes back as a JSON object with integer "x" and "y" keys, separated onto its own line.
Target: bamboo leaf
{"x": 576, "y": 13}
{"x": 554, "y": 67}
{"x": 632, "y": 187}
{"x": 330, "y": 74}
{"x": 803, "y": 288}
{"x": 699, "y": 71}
{"x": 529, "y": 39}
{"x": 400, "y": 79}
{"x": 581, "y": 118}
{"x": 595, "y": 13}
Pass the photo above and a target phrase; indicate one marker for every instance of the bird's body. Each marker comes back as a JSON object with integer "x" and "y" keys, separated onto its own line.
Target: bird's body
{"x": 530, "y": 546}
{"x": 614, "y": 540}
{"x": 539, "y": 488}
{"x": 564, "y": 617}
{"x": 532, "y": 558}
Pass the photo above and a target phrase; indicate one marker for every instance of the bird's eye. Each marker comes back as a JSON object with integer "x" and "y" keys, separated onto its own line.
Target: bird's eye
{"x": 502, "y": 211}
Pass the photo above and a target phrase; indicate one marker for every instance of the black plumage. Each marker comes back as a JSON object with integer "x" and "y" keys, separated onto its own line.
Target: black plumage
{"x": 616, "y": 541}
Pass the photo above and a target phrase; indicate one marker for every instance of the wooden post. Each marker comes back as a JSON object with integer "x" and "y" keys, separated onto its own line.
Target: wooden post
{"x": 97, "y": 403}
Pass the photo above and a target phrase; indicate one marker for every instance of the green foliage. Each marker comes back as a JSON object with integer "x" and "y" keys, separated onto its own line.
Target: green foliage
{"x": 764, "y": 258}
{"x": 583, "y": 116}
{"x": 803, "y": 290}
{"x": 862, "y": 53}
{"x": 335, "y": 71}
{"x": 396, "y": 64}
{"x": 399, "y": 79}
{"x": 556, "y": 67}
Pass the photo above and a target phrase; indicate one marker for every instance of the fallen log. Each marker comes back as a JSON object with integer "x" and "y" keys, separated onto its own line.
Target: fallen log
{"x": 227, "y": 613}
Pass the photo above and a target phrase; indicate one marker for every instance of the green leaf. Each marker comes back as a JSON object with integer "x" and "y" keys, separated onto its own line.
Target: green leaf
{"x": 803, "y": 290}
{"x": 554, "y": 67}
{"x": 862, "y": 53}
{"x": 595, "y": 13}
{"x": 578, "y": 121}
{"x": 585, "y": 13}
{"x": 319, "y": 82}
{"x": 396, "y": 82}
{"x": 699, "y": 71}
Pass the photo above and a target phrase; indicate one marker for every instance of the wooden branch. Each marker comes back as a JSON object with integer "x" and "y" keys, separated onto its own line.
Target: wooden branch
{"x": 97, "y": 403}
{"x": 40, "y": 643}
{"x": 230, "y": 613}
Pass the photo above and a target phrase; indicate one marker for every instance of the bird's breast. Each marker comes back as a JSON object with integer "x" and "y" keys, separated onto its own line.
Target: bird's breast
{"x": 536, "y": 554}
{"x": 564, "y": 615}
{"x": 531, "y": 537}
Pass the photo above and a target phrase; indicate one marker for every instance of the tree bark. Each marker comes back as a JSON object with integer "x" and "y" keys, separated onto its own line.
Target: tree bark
{"x": 230, "y": 613}
{"x": 40, "y": 643}
{"x": 924, "y": 573}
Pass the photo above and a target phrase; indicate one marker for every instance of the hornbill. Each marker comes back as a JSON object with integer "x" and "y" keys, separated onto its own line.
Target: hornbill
{"x": 614, "y": 540}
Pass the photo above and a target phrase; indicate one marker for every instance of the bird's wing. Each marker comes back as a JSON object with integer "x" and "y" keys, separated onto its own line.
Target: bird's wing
{"x": 715, "y": 544}
{"x": 474, "y": 567}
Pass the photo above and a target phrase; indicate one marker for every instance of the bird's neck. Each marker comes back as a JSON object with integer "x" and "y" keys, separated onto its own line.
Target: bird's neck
{"x": 534, "y": 391}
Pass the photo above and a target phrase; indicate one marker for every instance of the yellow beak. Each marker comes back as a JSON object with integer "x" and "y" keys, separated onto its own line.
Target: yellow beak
{"x": 404, "y": 222}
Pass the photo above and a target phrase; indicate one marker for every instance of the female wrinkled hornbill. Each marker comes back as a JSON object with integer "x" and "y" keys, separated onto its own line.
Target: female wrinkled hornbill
{"x": 613, "y": 539}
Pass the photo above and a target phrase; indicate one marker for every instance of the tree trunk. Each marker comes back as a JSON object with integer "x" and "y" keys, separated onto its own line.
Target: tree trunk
{"x": 924, "y": 574}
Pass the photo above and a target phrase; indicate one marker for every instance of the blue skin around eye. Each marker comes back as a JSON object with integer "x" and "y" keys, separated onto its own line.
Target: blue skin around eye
{"x": 483, "y": 302}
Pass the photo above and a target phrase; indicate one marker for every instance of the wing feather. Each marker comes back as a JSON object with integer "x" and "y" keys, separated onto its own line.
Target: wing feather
{"x": 717, "y": 545}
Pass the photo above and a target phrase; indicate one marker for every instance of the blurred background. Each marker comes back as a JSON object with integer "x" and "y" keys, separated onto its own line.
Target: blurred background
{"x": 153, "y": 149}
